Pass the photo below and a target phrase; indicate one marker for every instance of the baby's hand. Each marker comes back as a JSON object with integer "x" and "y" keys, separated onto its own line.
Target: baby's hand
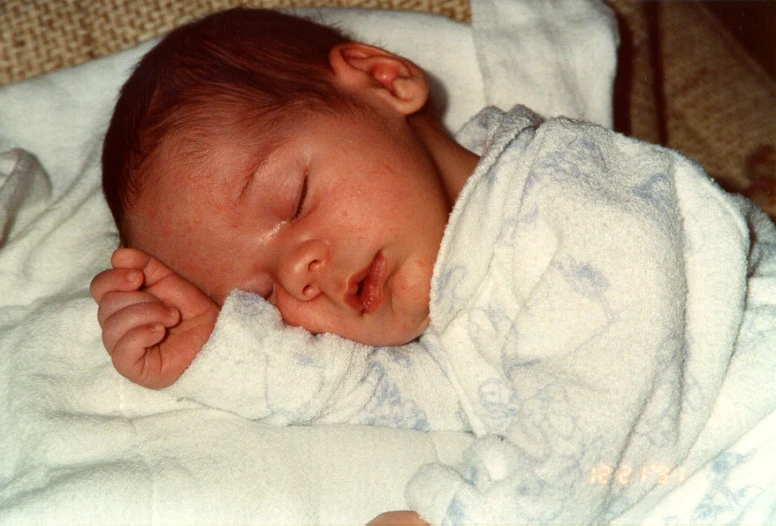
{"x": 396, "y": 518}
{"x": 154, "y": 322}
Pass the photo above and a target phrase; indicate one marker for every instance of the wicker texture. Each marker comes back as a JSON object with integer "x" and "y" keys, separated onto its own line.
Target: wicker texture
{"x": 723, "y": 104}
{"x": 37, "y": 36}
{"x": 686, "y": 83}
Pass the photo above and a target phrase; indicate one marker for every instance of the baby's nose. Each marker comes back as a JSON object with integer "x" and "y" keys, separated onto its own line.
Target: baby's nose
{"x": 302, "y": 272}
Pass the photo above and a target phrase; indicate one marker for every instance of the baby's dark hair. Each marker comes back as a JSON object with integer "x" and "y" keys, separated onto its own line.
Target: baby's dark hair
{"x": 229, "y": 69}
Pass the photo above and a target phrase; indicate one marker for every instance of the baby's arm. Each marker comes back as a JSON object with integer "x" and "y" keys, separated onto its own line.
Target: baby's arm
{"x": 153, "y": 321}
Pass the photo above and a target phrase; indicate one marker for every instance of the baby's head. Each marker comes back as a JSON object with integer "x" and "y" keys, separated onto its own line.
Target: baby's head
{"x": 263, "y": 152}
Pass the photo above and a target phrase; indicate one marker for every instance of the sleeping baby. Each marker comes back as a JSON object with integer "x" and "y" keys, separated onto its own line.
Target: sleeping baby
{"x": 291, "y": 211}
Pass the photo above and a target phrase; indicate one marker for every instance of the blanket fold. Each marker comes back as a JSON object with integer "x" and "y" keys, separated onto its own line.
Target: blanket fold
{"x": 554, "y": 34}
{"x": 25, "y": 191}
{"x": 599, "y": 323}
{"x": 257, "y": 367}
{"x": 592, "y": 323}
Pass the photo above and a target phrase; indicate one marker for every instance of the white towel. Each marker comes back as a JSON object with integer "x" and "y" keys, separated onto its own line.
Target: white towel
{"x": 597, "y": 303}
{"x": 552, "y": 37}
{"x": 585, "y": 333}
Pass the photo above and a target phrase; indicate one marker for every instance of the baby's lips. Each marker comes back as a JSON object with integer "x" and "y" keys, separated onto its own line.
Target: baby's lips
{"x": 365, "y": 289}
{"x": 372, "y": 290}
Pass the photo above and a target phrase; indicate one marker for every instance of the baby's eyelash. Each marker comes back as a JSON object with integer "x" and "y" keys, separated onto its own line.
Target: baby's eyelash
{"x": 301, "y": 197}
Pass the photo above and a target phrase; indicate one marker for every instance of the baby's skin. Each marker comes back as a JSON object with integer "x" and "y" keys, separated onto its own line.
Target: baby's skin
{"x": 397, "y": 518}
{"x": 154, "y": 322}
{"x": 338, "y": 227}
{"x": 373, "y": 195}
{"x": 150, "y": 341}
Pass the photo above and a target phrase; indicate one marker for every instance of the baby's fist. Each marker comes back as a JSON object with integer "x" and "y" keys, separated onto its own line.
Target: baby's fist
{"x": 154, "y": 322}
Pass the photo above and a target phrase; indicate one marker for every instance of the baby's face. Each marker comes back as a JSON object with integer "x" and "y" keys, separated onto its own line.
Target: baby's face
{"x": 336, "y": 222}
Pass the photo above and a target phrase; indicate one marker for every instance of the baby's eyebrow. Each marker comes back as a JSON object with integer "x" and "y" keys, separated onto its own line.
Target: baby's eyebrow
{"x": 259, "y": 159}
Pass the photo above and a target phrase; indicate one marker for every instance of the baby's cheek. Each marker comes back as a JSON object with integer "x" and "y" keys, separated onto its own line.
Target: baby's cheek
{"x": 415, "y": 329}
{"x": 413, "y": 287}
{"x": 305, "y": 314}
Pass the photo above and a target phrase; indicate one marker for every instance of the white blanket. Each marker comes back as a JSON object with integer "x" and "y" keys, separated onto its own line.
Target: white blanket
{"x": 599, "y": 309}
{"x": 602, "y": 308}
{"x": 79, "y": 444}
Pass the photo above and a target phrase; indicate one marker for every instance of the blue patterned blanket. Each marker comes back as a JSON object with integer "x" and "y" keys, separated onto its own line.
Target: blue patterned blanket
{"x": 599, "y": 310}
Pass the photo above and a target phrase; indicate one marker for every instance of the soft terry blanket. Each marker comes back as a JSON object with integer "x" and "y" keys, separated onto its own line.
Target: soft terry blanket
{"x": 595, "y": 304}
{"x": 78, "y": 443}
{"x": 600, "y": 311}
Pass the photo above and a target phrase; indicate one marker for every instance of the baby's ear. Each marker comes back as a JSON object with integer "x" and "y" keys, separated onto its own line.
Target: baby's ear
{"x": 371, "y": 71}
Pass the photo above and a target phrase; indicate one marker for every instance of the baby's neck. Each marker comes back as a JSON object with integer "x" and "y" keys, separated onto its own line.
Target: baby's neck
{"x": 454, "y": 162}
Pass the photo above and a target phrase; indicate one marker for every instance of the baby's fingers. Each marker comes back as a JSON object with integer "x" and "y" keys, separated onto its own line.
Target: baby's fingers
{"x": 122, "y": 280}
{"x": 129, "y": 258}
{"x": 132, "y": 258}
{"x": 136, "y": 314}
{"x": 136, "y": 354}
{"x": 114, "y": 301}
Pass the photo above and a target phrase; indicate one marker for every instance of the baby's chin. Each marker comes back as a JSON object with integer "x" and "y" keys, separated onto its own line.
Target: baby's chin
{"x": 392, "y": 338}
{"x": 384, "y": 329}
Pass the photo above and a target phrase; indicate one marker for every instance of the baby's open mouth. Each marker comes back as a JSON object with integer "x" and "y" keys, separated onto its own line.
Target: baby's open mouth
{"x": 365, "y": 290}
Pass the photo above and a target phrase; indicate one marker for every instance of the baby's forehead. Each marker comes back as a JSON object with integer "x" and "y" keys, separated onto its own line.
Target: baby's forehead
{"x": 210, "y": 164}
{"x": 218, "y": 147}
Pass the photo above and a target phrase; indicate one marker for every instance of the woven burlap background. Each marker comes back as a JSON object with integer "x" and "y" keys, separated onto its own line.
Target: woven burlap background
{"x": 683, "y": 81}
{"x": 40, "y": 35}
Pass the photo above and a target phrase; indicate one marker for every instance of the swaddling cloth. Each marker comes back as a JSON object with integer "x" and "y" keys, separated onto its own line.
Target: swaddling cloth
{"x": 585, "y": 307}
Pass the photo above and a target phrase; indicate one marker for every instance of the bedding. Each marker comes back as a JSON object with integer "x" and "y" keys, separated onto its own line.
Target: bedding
{"x": 82, "y": 445}
{"x": 594, "y": 300}
{"x": 599, "y": 310}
